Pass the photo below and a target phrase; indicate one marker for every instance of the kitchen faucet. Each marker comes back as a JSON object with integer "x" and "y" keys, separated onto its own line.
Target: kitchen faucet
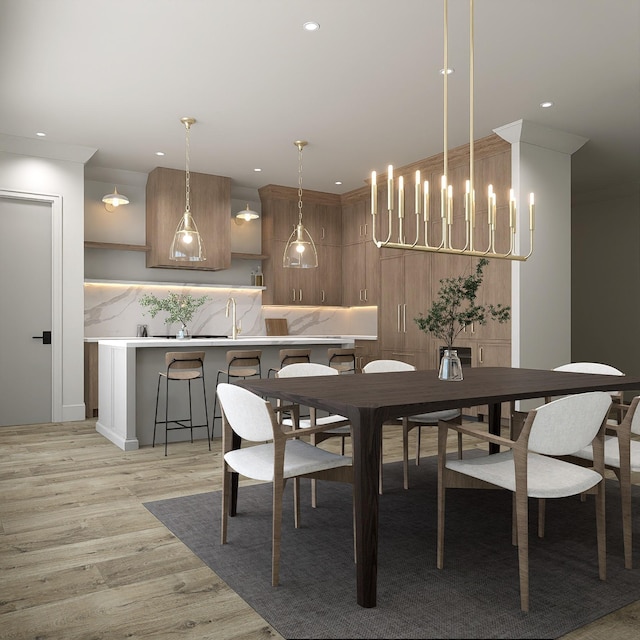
{"x": 235, "y": 326}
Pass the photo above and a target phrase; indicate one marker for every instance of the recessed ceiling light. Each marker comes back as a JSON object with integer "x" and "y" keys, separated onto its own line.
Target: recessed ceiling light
{"x": 257, "y": 169}
{"x": 311, "y": 26}
{"x": 338, "y": 182}
{"x": 41, "y": 134}
{"x": 159, "y": 153}
{"x": 450, "y": 70}
{"x": 546, "y": 104}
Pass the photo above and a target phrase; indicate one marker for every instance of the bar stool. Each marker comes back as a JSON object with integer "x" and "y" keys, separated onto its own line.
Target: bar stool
{"x": 343, "y": 360}
{"x": 181, "y": 366}
{"x": 240, "y": 364}
{"x": 291, "y": 356}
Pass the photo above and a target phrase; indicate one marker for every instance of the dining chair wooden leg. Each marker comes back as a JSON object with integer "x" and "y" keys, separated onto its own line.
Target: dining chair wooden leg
{"x": 296, "y": 502}
{"x": 541, "y": 516}
{"x": 278, "y": 490}
{"x": 226, "y": 490}
{"x": 380, "y": 463}
{"x": 601, "y": 529}
{"x": 522, "y": 526}
{"x": 405, "y": 451}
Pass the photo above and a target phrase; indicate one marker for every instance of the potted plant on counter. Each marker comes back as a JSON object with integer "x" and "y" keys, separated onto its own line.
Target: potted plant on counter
{"x": 454, "y": 309}
{"x": 179, "y": 307}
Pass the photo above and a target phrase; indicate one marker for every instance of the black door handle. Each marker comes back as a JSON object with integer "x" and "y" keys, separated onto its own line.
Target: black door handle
{"x": 45, "y": 337}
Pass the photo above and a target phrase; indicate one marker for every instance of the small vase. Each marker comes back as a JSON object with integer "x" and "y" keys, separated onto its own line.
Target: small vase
{"x": 450, "y": 366}
{"x": 183, "y": 333}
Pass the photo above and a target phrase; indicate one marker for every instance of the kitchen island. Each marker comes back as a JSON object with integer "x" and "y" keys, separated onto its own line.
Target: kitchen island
{"x": 128, "y": 378}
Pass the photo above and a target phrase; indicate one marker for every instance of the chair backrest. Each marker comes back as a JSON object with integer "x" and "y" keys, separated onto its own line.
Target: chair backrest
{"x": 249, "y": 415}
{"x": 184, "y": 359}
{"x": 291, "y": 356}
{"x": 238, "y": 358}
{"x": 593, "y": 367}
{"x": 633, "y": 414}
{"x": 344, "y": 358}
{"x": 306, "y": 369}
{"x": 382, "y": 366}
{"x": 568, "y": 424}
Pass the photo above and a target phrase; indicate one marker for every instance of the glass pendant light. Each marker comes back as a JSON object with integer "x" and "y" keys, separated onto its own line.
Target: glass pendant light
{"x": 187, "y": 244}
{"x": 300, "y": 252}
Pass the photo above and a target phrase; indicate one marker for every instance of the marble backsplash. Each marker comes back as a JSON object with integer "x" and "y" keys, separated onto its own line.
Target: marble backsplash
{"x": 114, "y": 310}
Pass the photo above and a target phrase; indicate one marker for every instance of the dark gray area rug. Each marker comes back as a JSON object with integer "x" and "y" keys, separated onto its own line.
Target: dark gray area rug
{"x": 476, "y": 595}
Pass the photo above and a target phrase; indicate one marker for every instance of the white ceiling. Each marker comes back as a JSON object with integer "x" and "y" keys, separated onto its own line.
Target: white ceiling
{"x": 365, "y": 90}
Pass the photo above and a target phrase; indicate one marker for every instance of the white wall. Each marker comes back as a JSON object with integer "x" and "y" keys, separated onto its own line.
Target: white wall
{"x": 61, "y": 177}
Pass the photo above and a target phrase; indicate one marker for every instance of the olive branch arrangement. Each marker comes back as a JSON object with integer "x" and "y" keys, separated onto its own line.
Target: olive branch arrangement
{"x": 179, "y": 307}
{"x": 456, "y": 308}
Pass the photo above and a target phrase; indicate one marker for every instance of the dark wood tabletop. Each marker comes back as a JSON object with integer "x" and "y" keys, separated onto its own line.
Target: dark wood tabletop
{"x": 368, "y": 400}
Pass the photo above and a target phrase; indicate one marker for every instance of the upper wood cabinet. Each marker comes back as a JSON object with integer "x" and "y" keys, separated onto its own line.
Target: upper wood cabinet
{"x": 210, "y": 202}
{"x": 322, "y": 217}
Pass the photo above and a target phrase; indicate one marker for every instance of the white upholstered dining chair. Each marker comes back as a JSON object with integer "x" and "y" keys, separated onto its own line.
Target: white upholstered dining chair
{"x": 279, "y": 456}
{"x": 412, "y": 422}
{"x": 530, "y": 468}
{"x": 622, "y": 456}
{"x": 340, "y": 426}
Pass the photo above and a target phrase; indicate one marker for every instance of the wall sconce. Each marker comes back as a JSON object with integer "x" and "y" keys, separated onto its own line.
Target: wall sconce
{"x": 113, "y": 200}
{"x": 246, "y": 215}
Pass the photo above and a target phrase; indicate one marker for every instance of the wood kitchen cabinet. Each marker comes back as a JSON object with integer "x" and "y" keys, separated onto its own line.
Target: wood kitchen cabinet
{"x": 405, "y": 291}
{"x": 210, "y": 202}
{"x": 360, "y": 257}
{"x": 322, "y": 217}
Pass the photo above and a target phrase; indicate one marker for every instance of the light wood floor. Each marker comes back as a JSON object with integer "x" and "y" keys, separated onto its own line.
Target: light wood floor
{"x": 80, "y": 557}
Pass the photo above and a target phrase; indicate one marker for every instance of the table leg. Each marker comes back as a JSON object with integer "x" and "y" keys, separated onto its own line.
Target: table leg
{"x": 494, "y": 424}
{"x": 366, "y": 443}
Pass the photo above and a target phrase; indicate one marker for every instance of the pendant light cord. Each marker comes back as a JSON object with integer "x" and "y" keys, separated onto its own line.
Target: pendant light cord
{"x": 187, "y": 186}
{"x": 300, "y": 146}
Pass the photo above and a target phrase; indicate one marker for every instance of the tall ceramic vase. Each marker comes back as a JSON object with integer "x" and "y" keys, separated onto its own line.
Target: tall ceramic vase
{"x": 450, "y": 366}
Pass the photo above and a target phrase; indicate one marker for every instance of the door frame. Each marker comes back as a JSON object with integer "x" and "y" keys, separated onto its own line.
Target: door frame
{"x": 55, "y": 201}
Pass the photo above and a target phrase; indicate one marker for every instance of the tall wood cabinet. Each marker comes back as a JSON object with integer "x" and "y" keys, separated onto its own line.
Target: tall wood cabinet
{"x": 322, "y": 217}
{"x": 360, "y": 257}
{"x": 210, "y": 202}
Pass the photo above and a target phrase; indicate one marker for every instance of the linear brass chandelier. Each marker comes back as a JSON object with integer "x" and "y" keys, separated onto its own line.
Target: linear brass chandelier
{"x": 446, "y": 192}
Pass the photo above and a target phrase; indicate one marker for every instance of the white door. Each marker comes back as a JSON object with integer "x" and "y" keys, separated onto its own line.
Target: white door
{"x": 25, "y": 316}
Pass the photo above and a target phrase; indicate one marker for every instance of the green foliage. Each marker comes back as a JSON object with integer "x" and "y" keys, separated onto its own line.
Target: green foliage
{"x": 179, "y": 307}
{"x": 455, "y": 308}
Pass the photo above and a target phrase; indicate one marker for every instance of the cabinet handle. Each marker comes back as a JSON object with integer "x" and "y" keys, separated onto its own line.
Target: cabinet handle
{"x": 365, "y": 228}
{"x": 360, "y": 230}
{"x": 404, "y": 318}
{"x": 365, "y": 296}
{"x": 322, "y": 291}
{"x": 481, "y": 355}
{"x": 398, "y": 322}
{"x": 300, "y": 295}
{"x": 293, "y": 295}
{"x": 322, "y": 235}
{"x": 360, "y": 295}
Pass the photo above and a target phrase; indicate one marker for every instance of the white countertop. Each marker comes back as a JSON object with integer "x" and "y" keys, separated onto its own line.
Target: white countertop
{"x": 225, "y": 342}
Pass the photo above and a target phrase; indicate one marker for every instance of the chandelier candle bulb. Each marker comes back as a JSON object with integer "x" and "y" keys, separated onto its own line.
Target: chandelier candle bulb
{"x": 401, "y": 197}
{"x": 443, "y": 197}
{"x": 531, "y": 212}
{"x": 374, "y": 194}
{"x": 512, "y": 209}
{"x": 489, "y": 201}
{"x": 425, "y": 199}
{"x": 467, "y": 202}
{"x": 390, "y": 188}
{"x": 450, "y": 204}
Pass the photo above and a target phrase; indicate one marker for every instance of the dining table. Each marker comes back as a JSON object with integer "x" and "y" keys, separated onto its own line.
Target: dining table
{"x": 370, "y": 400}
